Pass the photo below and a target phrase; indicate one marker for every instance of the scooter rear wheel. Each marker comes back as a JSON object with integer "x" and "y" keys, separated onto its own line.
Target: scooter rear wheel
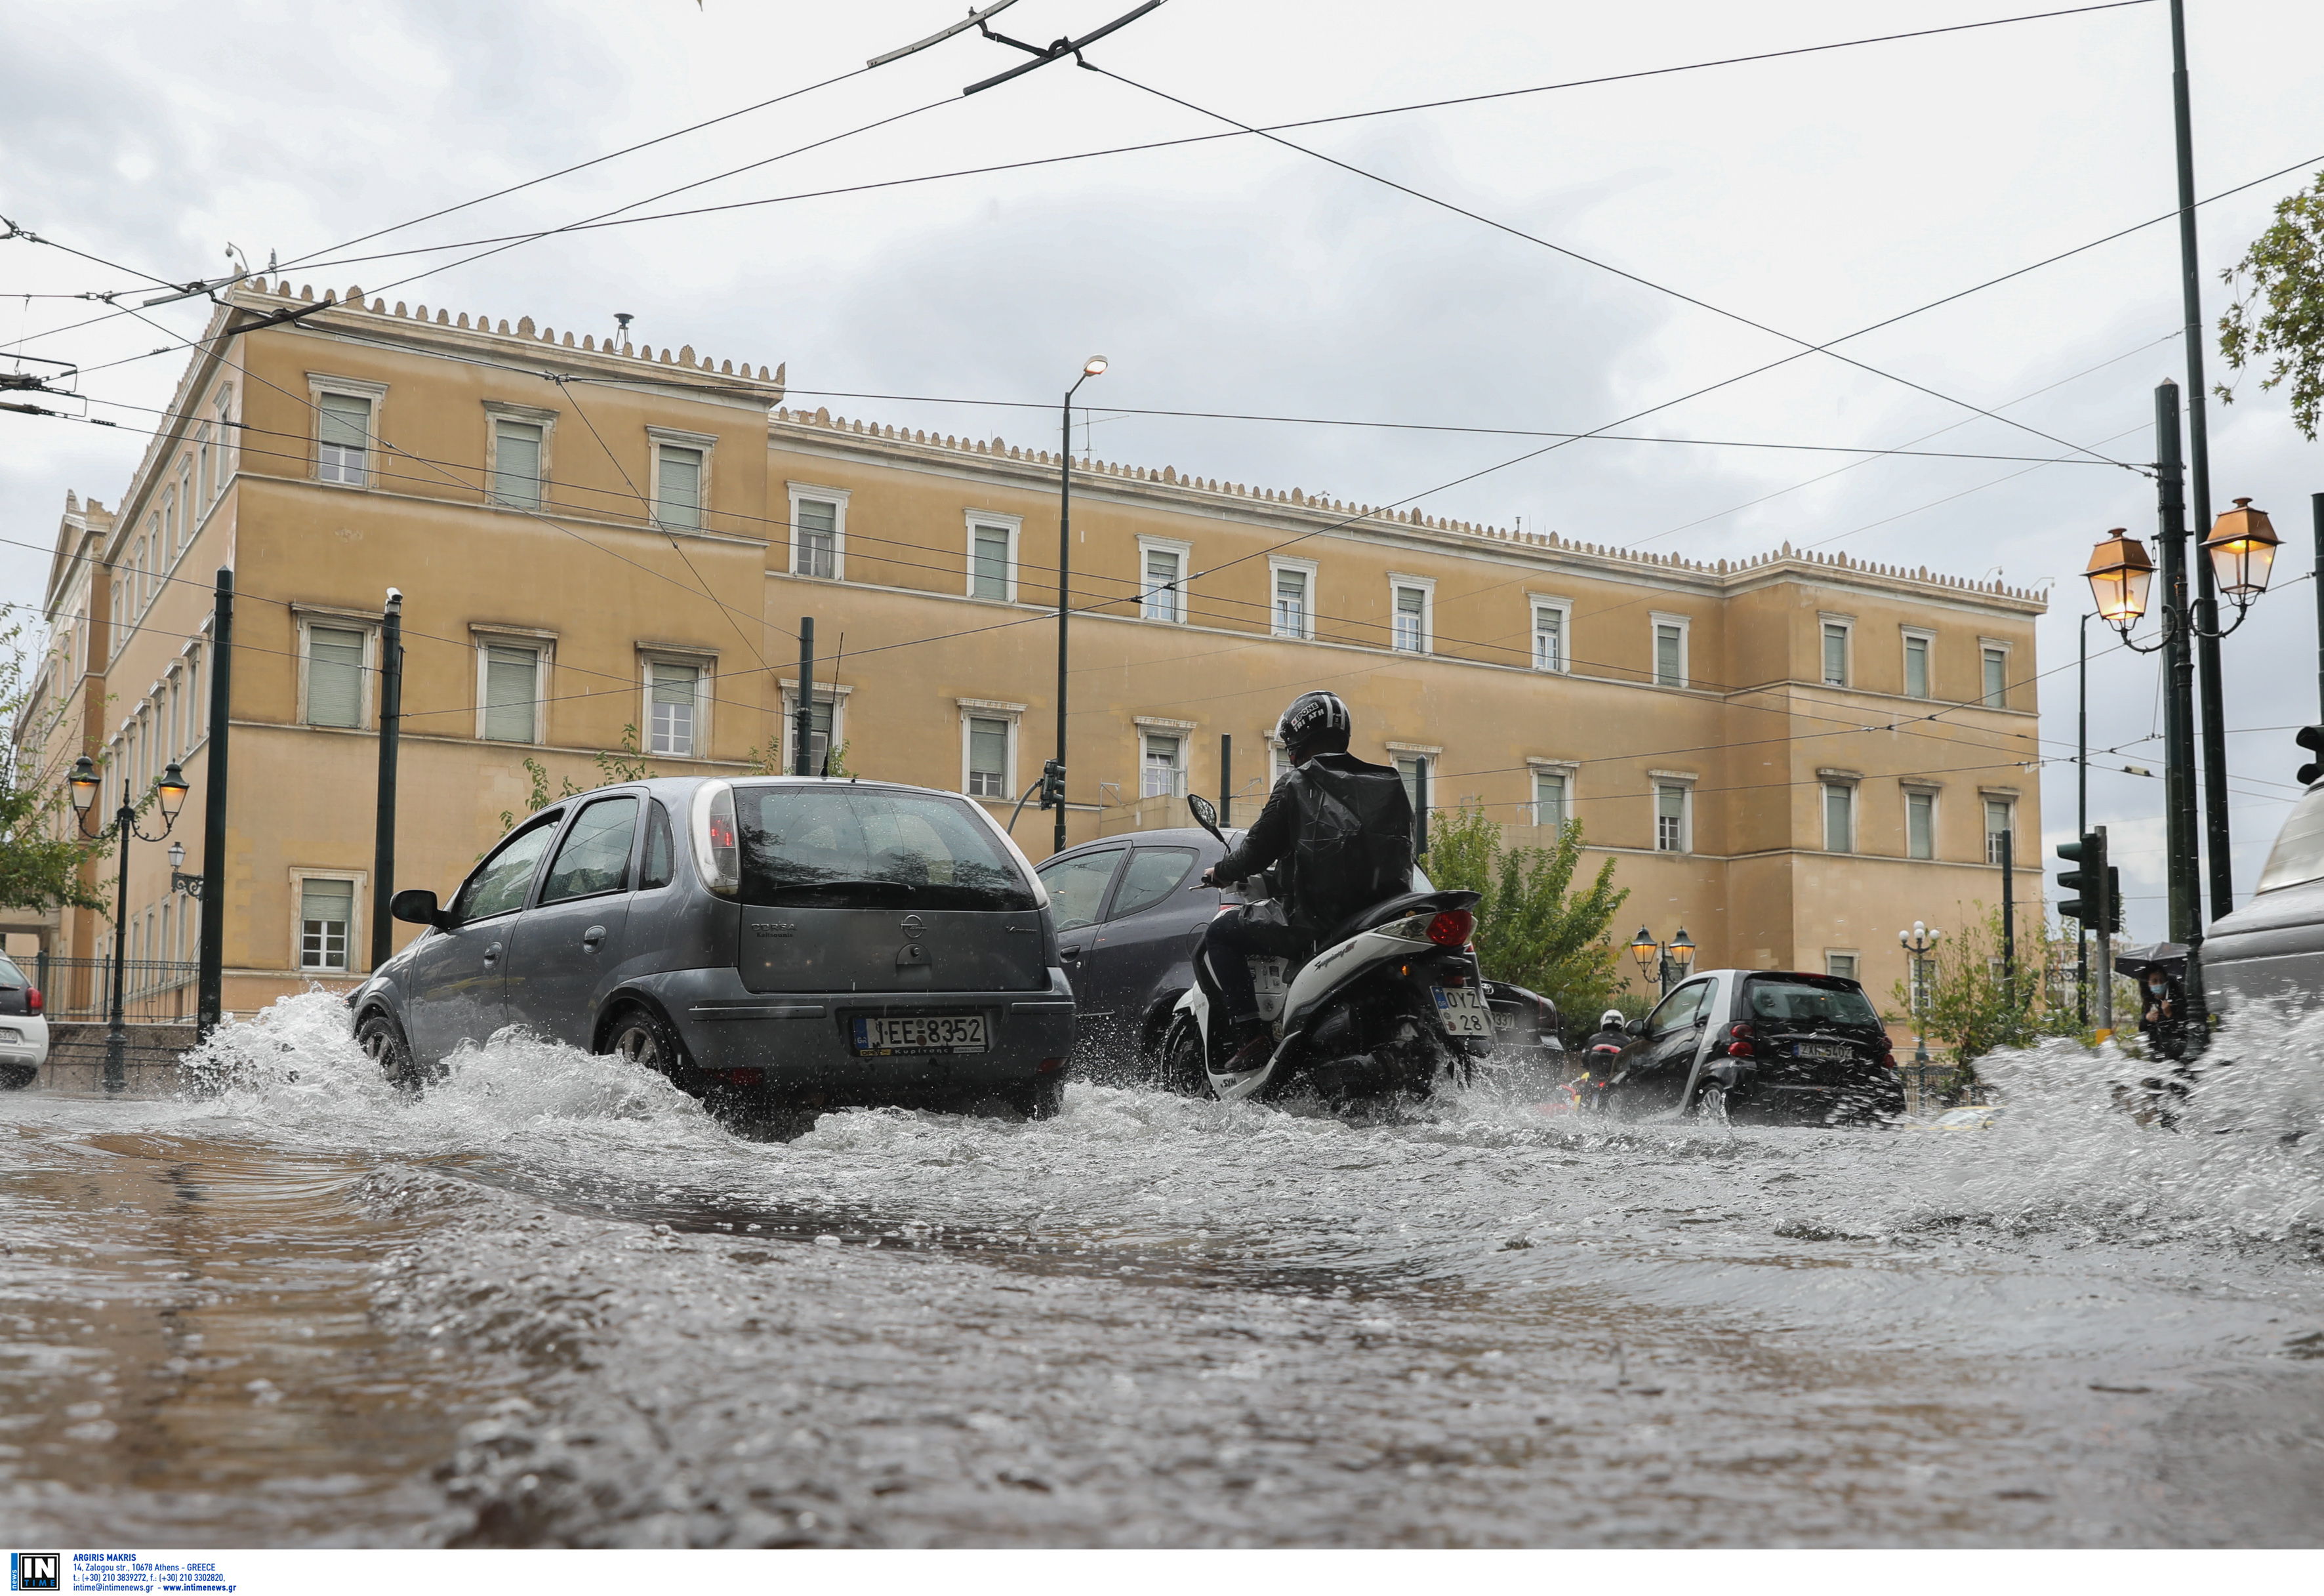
{"x": 1183, "y": 1068}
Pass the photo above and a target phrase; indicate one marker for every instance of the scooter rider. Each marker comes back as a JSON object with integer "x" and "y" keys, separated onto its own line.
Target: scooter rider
{"x": 1610, "y": 1033}
{"x": 1339, "y": 828}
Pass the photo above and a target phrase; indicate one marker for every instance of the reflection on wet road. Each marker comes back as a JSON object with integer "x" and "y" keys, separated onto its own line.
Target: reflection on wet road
{"x": 552, "y": 1301}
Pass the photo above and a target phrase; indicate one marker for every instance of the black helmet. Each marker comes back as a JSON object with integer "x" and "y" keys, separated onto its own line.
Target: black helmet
{"x": 1316, "y": 722}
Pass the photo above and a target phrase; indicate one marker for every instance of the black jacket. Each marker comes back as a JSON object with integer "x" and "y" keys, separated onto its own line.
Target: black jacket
{"x": 1340, "y": 830}
{"x": 1615, "y": 1039}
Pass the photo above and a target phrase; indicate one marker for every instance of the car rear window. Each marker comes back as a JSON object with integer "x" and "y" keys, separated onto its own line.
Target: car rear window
{"x": 871, "y": 847}
{"x": 1807, "y": 1000}
{"x": 10, "y": 975}
{"x": 2297, "y": 855}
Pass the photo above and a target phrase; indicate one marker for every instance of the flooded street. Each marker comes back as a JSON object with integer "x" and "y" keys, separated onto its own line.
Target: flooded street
{"x": 553, "y": 1302}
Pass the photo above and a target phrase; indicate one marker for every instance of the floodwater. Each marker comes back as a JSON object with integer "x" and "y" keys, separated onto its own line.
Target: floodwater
{"x": 551, "y": 1302}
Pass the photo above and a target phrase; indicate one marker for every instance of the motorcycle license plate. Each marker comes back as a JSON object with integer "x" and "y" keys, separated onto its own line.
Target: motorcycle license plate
{"x": 884, "y": 1034}
{"x": 1463, "y": 1009}
{"x": 1833, "y": 1051}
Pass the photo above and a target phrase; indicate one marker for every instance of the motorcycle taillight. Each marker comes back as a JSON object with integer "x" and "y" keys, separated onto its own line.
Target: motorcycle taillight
{"x": 1451, "y": 927}
{"x": 1738, "y": 1040}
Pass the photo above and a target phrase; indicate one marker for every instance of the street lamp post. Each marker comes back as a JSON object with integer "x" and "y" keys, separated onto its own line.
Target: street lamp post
{"x": 1053, "y": 787}
{"x": 170, "y": 791}
{"x": 1665, "y": 961}
{"x": 1919, "y": 943}
{"x": 2239, "y": 552}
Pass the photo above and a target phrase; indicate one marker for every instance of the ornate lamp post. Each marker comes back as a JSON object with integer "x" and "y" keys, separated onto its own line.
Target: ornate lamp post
{"x": 171, "y": 793}
{"x": 1666, "y": 962}
{"x": 1919, "y": 943}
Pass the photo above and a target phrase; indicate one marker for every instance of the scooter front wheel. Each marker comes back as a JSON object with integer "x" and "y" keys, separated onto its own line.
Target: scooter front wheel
{"x": 1183, "y": 1068}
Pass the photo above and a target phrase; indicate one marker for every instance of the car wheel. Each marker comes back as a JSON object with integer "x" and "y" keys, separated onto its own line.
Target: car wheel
{"x": 1043, "y": 1100}
{"x": 381, "y": 1041}
{"x": 644, "y": 1038}
{"x": 1711, "y": 1103}
{"x": 1184, "y": 1069}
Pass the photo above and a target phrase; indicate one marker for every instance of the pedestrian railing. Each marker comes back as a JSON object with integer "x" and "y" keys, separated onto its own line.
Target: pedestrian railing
{"x": 82, "y": 989}
{"x": 1931, "y": 1088}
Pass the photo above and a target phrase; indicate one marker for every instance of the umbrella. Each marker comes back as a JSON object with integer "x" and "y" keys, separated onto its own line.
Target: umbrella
{"x": 2137, "y": 959}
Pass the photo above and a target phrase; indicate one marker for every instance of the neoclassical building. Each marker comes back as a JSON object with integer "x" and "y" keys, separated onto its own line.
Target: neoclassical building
{"x": 607, "y": 548}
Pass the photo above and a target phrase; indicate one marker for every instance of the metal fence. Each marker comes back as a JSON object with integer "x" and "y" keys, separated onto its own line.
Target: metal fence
{"x": 82, "y": 989}
{"x": 1931, "y": 1088}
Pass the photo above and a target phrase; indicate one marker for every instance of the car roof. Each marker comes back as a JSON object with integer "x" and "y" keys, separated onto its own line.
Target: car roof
{"x": 1163, "y": 836}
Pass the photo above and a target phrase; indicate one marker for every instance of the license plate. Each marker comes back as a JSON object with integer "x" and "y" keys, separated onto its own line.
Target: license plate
{"x": 883, "y": 1034}
{"x": 1827, "y": 1050}
{"x": 1463, "y": 1009}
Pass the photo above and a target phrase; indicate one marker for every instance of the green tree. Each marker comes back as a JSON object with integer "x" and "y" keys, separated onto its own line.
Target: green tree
{"x": 613, "y": 768}
{"x": 1533, "y": 927}
{"x": 41, "y": 852}
{"x": 1970, "y": 1005}
{"x": 2278, "y": 311}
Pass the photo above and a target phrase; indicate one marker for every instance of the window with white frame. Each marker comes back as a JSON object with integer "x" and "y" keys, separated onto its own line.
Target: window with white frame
{"x": 818, "y": 531}
{"x": 1162, "y": 577}
{"x": 679, "y": 471}
{"x": 674, "y": 695}
{"x": 1408, "y": 618}
{"x": 1997, "y": 677}
{"x": 826, "y": 717}
{"x": 1549, "y": 626}
{"x": 1550, "y": 797}
{"x": 1414, "y": 768}
{"x": 2000, "y": 826}
{"x": 1839, "y": 818}
{"x": 193, "y": 696}
{"x": 189, "y": 512}
{"x": 992, "y": 560}
{"x": 1671, "y": 801}
{"x": 1835, "y": 653}
{"x": 1920, "y": 825}
{"x": 1162, "y": 767}
{"x": 988, "y": 756}
{"x": 206, "y": 450}
{"x": 1670, "y": 652}
{"x": 343, "y": 424}
{"x": 1918, "y": 648}
{"x": 222, "y": 441}
{"x": 327, "y": 908}
{"x": 1291, "y": 600}
{"x": 335, "y": 675}
{"x": 1842, "y": 964}
{"x": 519, "y": 457}
{"x": 510, "y": 691}
{"x": 1278, "y": 762}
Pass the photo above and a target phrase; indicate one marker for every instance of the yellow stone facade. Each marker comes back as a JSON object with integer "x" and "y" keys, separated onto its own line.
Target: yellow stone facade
{"x": 1763, "y": 747}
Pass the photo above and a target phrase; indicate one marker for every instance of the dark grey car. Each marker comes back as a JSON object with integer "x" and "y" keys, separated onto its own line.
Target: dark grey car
{"x": 784, "y": 941}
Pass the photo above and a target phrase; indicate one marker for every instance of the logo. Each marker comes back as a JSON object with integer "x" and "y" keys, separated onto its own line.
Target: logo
{"x": 36, "y": 1571}
{"x": 912, "y": 923}
{"x": 773, "y": 927}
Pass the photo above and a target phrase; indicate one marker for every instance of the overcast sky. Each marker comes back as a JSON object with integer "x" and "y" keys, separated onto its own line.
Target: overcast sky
{"x": 1814, "y": 195}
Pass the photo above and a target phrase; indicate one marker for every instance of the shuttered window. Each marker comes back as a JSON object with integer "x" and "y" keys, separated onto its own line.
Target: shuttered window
{"x": 1670, "y": 819}
{"x": 1996, "y": 679}
{"x": 1916, "y": 668}
{"x": 1412, "y": 619}
{"x": 680, "y": 490}
{"x": 1839, "y": 818}
{"x": 516, "y": 463}
{"x": 512, "y": 689}
{"x": 1670, "y": 656}
{"x": 1921, "y": 825}
{"x": 671, "y": 729}
{"x": 341, "y": 438}
{"x": 988, "y": 758}
{"x": 1835, "y": 656}
{"x": 333, "y": 676}
{"x": 816, "y": 552}
{"x": 1549, "y": 797}
{"x": 325, "y": 909}
{"x": 989, "y": 573}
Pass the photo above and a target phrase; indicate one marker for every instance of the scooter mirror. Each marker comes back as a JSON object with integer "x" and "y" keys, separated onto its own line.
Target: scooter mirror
{"x": 1205, "y": 816}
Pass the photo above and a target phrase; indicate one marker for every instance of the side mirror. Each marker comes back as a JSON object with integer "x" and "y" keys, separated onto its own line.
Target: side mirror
{"x": 416, "y": 905}
{"x": 1205, "y": 816}
{"x": 1637, "y": 1028}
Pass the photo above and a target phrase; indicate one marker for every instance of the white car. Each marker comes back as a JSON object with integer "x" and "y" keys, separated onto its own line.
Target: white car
{"x": 2273, "y": 946}
{"x": 24, "y": 1030}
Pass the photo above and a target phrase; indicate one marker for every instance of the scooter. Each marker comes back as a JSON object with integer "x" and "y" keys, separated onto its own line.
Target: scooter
{"x": 1392, "y": 999}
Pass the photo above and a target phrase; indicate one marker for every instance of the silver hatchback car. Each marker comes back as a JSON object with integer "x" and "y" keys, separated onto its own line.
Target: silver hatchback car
{"x": 784, "y": 943}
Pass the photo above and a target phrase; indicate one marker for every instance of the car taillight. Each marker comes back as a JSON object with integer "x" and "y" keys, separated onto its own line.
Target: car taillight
{"x": 1451, "y": 927}
{"x": 1738, "y": 1041}
{"x": 32, "y": 999}
{"x": 1050, "y": 1066}
{"x": 715, "y": 854}
{"x": 1888, "y": 1057}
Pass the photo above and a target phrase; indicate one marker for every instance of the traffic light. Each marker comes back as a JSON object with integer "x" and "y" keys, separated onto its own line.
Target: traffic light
{"x": 2113, "y": 920}
{"x": 2311, "y": 738}
{"x": 2088, "y": 881}
{"x": 1053, "y": 785}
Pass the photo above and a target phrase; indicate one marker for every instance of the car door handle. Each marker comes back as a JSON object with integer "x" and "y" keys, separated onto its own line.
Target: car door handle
{"x": 592, "y": 938}
{"x": 492, "y": 953}
{"x": 1069, "y": 953}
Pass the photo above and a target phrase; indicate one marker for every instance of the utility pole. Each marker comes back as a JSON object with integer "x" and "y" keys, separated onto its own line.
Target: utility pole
{"x": 1226, "y": 780}
{"x": 2105, "y": 937}
{"x": 209, "y": 980}
{"x": 803, "y": 717}
{"x": 2316, "y": 512}
{"x": 390, "y": 737}
{"x": 2009, "y": 914}
{"x": 2082, "y": 821}
{"x": 2199, "y": 463}
{"x": 2179, "y": 830}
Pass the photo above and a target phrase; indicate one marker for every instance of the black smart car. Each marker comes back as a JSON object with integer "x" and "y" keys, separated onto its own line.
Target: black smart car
{"x": 1779, "y": 1046}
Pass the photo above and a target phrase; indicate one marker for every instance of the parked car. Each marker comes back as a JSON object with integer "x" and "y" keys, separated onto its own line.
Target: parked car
{"x": 24, "y": 1029}
{"x": 779, "y": 941}
{"x": 1130, "y": 912}
{"x": 2273, "y": 946}
{"x": 1766, "y": 1044}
